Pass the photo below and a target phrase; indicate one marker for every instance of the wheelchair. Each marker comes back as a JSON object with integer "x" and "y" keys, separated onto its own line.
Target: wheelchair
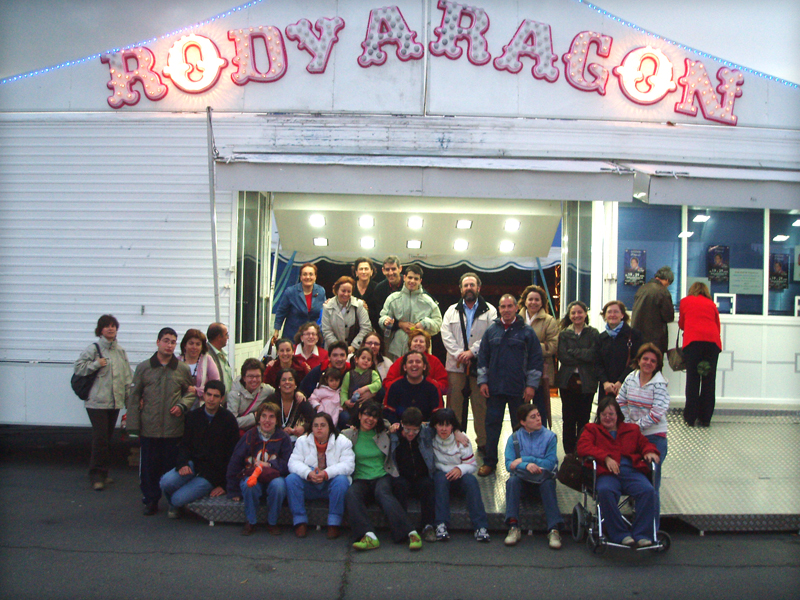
{"x": 589, "y": 525}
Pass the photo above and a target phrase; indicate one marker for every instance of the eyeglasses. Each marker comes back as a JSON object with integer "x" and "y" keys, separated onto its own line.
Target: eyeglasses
{"x": 310, "y": 333}
{"x": 414, "y": 430}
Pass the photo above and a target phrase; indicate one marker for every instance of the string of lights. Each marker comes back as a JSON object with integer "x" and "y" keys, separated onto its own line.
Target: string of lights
{"x": 70, "y": 63}
{"x": 727, "y": 63}
{"x": 242, "y": 7}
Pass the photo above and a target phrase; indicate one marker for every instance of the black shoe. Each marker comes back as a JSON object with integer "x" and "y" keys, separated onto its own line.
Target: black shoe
{"x": 689, "y": 423}
{"x": 150, "y": 509}
{"x": 703, "y": 423}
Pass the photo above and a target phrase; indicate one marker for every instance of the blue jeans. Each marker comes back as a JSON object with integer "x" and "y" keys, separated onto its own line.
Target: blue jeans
{"x": 495, "y": 411}
{"x": 468, "y": 485}
{"x": 660, "y": 442}
{"x": 299, "y": 490}
{"x": 180, "y": 490}
{"x": 634, "y": 484}
{"x": 516, "y": 486}
{"x": 276, "y": 494}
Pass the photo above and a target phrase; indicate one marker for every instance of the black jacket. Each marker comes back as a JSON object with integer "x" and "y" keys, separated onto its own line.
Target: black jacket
{"x": 613, "y": 354}
{"x": 208, "y": 445}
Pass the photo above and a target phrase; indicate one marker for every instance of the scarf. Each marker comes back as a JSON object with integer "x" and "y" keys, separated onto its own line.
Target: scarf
{"x": 613, "y": 332}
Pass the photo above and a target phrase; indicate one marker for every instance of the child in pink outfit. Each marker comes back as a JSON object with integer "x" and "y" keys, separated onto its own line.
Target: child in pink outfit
{"x": 326, "y": 397}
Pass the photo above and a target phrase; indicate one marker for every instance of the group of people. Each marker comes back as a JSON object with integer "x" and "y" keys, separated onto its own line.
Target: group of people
{"x": 353, "y": 410}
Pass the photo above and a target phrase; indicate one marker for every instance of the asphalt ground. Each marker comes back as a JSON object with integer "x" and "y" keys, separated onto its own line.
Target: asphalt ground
{"x": 60, "y": 539}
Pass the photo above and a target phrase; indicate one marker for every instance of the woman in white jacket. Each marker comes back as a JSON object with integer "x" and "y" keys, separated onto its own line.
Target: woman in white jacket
{"x": 320, "y": 467}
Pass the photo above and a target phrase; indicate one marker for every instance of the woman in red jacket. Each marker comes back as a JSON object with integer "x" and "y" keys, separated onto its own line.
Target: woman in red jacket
{"x": 420, "y": 341}
{"x": 699, "y": 319}
{"x": 621, "y": 451}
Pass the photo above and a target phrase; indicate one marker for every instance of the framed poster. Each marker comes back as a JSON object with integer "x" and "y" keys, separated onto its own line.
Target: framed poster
{"x": 718, "y": 259}
{"x": 635, "y": 267}
{"x": 779, "y": 271}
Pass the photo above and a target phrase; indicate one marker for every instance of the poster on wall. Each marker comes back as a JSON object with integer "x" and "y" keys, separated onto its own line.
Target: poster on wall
{"x": 796, "y": 263}
{"x": 717, "y": 263}
{"x": 779, "y": 271}
{"x": 635, "y": 267}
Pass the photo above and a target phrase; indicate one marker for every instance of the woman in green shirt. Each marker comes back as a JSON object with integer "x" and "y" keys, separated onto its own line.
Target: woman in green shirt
{"x": 372, "y": 480}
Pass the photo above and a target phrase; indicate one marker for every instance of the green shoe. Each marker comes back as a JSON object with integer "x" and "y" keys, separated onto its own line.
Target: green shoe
{"x": 414, "y": 541}
{"x": 367, "y": 543}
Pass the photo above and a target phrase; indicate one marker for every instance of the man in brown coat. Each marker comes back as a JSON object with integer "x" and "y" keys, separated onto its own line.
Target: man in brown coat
{"x": 653, "y": 309}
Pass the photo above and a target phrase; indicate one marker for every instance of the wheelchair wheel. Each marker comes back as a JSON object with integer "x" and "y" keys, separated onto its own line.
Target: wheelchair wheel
{"x": 664, "y": 541}
{"x": 596, "y": 544}
{"x": 578, "y": 523}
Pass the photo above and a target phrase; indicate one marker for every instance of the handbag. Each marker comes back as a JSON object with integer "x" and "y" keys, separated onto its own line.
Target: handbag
{"x": 675, "y": 355}
{"x": 82, "y": 384}
{"x": 570, "y": 472}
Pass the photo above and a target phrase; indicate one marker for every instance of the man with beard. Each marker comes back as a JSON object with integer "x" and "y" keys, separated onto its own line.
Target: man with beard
{"x": 463, "y": 326}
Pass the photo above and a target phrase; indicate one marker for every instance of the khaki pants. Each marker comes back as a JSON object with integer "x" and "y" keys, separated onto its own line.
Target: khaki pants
{"x": 455, "y": 400}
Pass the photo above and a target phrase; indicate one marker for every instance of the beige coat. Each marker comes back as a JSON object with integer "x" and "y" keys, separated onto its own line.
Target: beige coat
{"x": 546, "y": 328}
{"x": 113, "y": 382}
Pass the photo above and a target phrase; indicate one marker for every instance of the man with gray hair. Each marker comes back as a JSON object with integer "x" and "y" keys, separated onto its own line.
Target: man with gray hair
{"x": 653, "y": 309}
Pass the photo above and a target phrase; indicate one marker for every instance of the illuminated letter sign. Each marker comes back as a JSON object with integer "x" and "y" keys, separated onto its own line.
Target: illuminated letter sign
{"x": 122, "y": 78}
{"x": 245, "y": 57}
{"x": 451, "y": 31}
{"x": 198, "y": 77}
{"x": 645, "y": 75}
{"x": 319, "y": 47}
{"x": 532, "y": 39}
{"x": 696, "y": 84}
{"x": 388, "y": 26}
{"x": 575, "y": 62}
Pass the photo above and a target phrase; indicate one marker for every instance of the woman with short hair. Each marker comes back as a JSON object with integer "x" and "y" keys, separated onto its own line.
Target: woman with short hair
{"x": 344, "y": 318}
{"x": 248, "y": 393}
{"x": 308, "y": 354}
{"x": 363, "y": 272}
{"x": 108, "y": 395}
{"x": 616, "y": 348}
{"x": 299, "y": 303}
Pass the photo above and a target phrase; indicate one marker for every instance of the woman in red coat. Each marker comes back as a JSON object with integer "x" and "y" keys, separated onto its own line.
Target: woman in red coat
{"x": 699, "y": 319}
{"x": 420, "y": 341}
{"x": 621, "y": 452}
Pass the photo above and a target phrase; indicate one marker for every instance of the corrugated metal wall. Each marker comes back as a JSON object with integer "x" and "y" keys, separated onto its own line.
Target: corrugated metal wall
{"x": 105, "y": 213}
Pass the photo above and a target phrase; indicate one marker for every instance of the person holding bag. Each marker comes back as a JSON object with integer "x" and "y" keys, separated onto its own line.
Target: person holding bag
{"x": 109, "y": 394}
{"x": 702, "y": 343}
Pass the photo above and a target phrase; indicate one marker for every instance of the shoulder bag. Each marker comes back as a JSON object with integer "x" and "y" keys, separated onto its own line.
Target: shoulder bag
{"x": 82, "y": 384}
{"x": 675, "y": 355}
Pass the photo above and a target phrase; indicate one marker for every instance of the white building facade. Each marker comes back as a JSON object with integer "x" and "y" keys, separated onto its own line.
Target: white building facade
{"x": 120, "y": 192}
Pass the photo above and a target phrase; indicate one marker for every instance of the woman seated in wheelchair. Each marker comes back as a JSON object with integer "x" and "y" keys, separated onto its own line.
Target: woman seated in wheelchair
{"x": 622, "y": 454}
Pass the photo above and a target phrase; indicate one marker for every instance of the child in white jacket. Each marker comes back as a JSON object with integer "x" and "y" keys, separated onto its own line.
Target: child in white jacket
{"x": 455, "y": 468}
{"x": 326, "y": 397}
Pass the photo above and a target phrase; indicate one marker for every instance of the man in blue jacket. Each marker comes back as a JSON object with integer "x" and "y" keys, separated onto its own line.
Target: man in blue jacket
{"x": 510, "y": 366}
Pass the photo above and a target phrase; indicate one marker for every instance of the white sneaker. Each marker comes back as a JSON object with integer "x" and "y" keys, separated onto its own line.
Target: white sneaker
{"x": 441, "y": 533}
{"x": 514, "y": 536}
{"x": 554, "y": 538}
{"x": 481, "y": 535}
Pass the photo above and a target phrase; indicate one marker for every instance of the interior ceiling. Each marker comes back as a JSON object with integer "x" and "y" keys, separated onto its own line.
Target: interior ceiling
{"x": 539, "y": 221}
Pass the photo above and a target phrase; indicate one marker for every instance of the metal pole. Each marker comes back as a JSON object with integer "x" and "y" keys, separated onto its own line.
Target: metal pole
{"x": 213, "y": 205}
